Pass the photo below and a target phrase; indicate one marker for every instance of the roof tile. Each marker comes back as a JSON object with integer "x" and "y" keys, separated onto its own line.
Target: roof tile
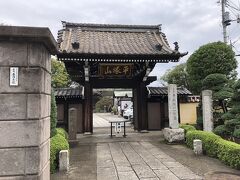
{"x": 113, "y": 39}
{"x": 163, "y": 91}
{"x": 68, "y": 92}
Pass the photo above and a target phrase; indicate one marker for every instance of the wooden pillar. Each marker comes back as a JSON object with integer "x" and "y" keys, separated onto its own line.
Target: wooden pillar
{"x": 142, "y": 107}
{"x": 162, "y": 111}
{"x": 88, "y": 122}
{"x": 66, "y": 106}
{"x": 135, "y": 109}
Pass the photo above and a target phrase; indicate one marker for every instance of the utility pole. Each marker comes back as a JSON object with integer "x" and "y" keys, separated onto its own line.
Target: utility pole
{"x": 224, "y": 25}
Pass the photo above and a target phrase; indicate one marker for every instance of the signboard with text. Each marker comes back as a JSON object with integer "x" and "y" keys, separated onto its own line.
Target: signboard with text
{"x": 13, "y": 81}
{"x": 115, "y": 70}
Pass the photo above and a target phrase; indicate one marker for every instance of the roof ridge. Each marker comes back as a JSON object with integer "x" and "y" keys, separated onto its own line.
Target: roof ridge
{"x": 97, "y": 25}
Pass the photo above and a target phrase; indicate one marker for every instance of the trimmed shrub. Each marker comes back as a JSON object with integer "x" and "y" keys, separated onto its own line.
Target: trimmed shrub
{"x": 214, "y": 146}
{"x": 187, "y": 128}
{"x": 230, "y": 124}
{"x": 57, "y": 143}
{"x": 222, "y": 131}
{"x": 62, "y": 132}
{"x": 209, "y": 140}
{"x": 227, "y": 116}
{"x": 236, "y": 133}
{"x": 53, "y": 115}
{"x": 229, "y": 153}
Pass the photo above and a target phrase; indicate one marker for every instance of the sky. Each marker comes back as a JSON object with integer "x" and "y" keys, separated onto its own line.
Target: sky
{"x": 192, "y": 23}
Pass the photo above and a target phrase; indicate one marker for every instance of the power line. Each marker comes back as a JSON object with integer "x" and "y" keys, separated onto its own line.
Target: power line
{"x": 233, "y": 4}
{"x": 232, "y": 11}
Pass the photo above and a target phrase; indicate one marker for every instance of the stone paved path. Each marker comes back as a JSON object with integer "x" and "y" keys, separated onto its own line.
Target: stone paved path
{"x": 138, "y": 160}
{"x": 139, "y": 156}
{"x": 102, "y": 119}
{"x": 99, "y": 121}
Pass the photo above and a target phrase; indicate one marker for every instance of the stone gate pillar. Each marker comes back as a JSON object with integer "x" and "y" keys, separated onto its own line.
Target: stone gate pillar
{"x": 72, "y": 124}
{"x": 25, "y": 87}
{"x": 207, "y": 110}
{"x": 173, "y": 133}
{"x": 173, "y": 106}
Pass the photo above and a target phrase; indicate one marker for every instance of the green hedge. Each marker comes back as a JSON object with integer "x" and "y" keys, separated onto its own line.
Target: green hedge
{"x": 214, "y": 146}
{"x": 187, "y": 128}
{"x": 62, "y": 132}
{"x": 229, "y": 153}
{"x": 53, "y": 115}
{"x": 208, "y": 139}
{"x": 57, "y": 143}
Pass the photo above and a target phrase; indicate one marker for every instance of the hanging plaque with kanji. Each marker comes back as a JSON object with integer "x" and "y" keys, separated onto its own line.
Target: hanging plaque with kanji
{"x": 115, "y": 70}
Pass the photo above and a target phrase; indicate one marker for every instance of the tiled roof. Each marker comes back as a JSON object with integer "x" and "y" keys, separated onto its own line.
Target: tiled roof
{"x": 153, "y": 91}
{"x": 163, "y": 91}
{"x": 125, "y": 40}
{"x": 69, "y": 92}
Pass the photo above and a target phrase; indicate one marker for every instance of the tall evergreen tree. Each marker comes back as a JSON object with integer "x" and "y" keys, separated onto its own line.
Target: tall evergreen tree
{"x": 216, "y": 57}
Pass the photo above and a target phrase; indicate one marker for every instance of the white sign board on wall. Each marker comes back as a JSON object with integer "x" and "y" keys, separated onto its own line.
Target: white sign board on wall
{"x": 126, "y": 104}
{"x": 13, "y": 76}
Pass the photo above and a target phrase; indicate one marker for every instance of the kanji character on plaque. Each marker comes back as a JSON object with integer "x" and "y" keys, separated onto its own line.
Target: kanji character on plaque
{"x": 108, "y": 71}
{"x": 116, "y": 70}
{"x": 126, "y": 69}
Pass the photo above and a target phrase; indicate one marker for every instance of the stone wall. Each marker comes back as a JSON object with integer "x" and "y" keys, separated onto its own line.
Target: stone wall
{"x": 25, "y": 108}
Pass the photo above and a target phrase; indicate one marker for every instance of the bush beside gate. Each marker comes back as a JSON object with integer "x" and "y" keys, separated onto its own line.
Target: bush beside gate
{"x": 214, "y": 146}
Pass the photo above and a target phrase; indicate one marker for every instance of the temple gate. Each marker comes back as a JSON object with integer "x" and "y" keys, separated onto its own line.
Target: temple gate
{"x": 114, "y": 56}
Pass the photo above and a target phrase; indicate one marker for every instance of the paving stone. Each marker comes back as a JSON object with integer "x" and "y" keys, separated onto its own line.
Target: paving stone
{"x": 184, "y": 173}
{"x": 123, "y": 168}
{"x": 108, "y": 173}
{"x": 130, "y": 175}
{"x": 103, "y": 154}
{"x": 145, "y": 155}
{"x": 131, "y": 155}
{"x": 156, "y": 164}
{"x": 166, "y": 175}
{"x": 173, "y": 164}
{"x": 85, "y": 172}
{"x": 147, "y": 144}
{"x": 118, "y": 156}
{"x": 108, "y": 163}
{"x": 99, "y": 121}
{"x": 152, "y": 149}
{"x": 165, "y": 158}
{"x": 143, "y": 171}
